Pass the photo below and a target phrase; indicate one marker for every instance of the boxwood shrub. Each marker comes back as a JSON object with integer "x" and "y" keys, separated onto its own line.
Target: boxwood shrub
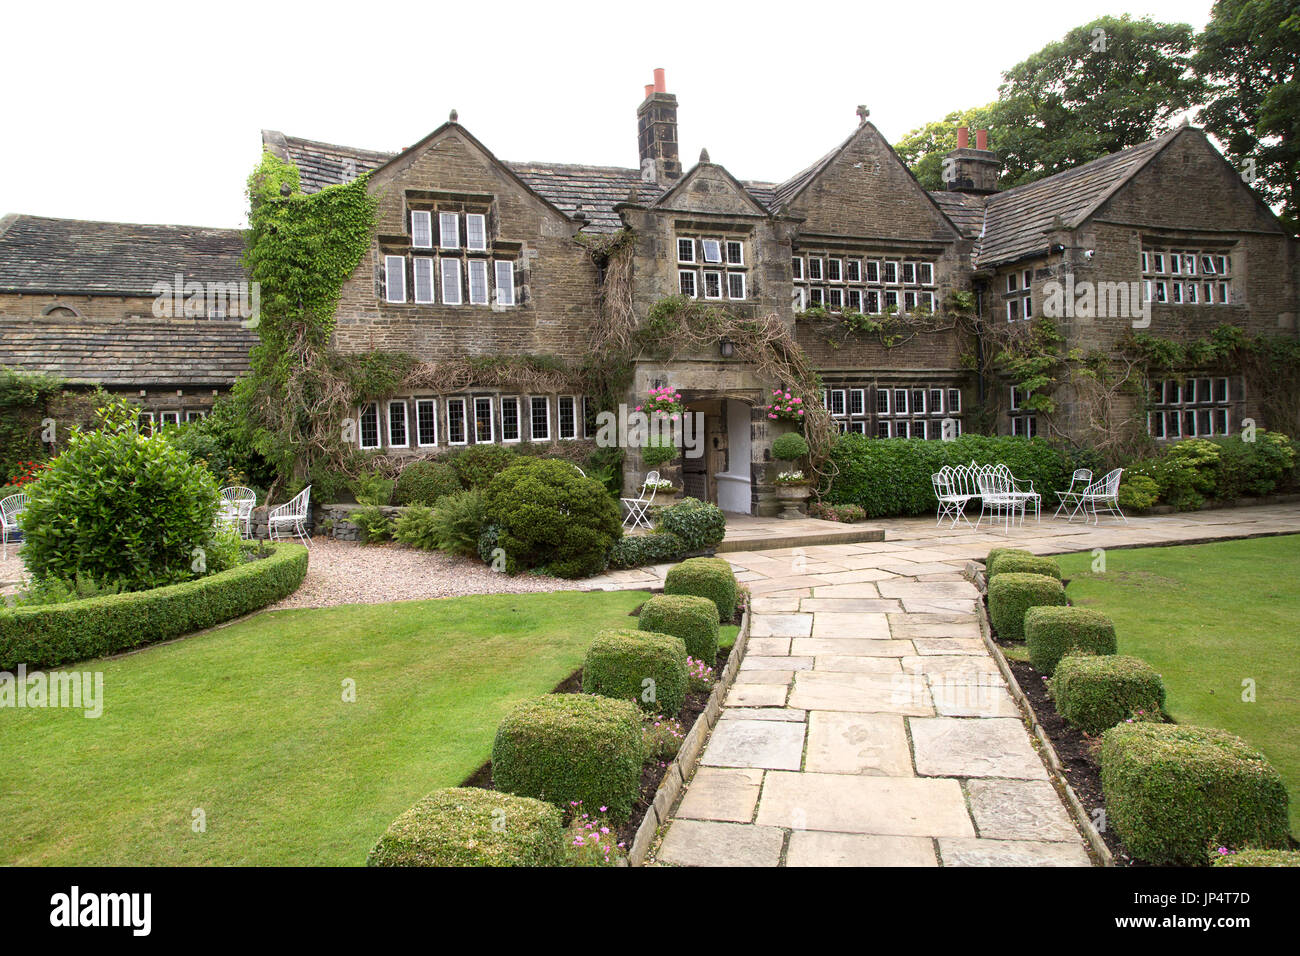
{"x": 621, "y": 662}
{"x": 995, "y": 553}
{"x": 466, "y": 826}
{"x": 693, "y": 619}
{"x": 59, "y": 633}
{"x": 565, "y": 747}
{"x": 1257, "y": 858}
{"x": 698, "y": 524}
{"x": 705, "y": 577}
{"x": 1015, "y": 562}
{"x": 1096, "y": 693}
{"x": 1053, "y": 632}
{"x": 1173, "y": 792}
{"x": 424, "y": 482}
{"x": 1011, "y": 595}
{"x": 638, "y": 550}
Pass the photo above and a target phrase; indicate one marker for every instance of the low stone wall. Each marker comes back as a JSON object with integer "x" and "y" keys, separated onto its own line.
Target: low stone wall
{"x": 260, "y": 529}
{"x": 335, "y": 520}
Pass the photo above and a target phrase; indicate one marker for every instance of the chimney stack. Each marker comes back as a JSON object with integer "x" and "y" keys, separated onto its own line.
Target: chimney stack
{"x": 657, "y": 134}
{"x": 975, "y": 170}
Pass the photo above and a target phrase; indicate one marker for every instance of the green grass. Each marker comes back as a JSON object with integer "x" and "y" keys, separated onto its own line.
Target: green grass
{"x": 1209, "y": 617}
{"x": 248, "y": 723}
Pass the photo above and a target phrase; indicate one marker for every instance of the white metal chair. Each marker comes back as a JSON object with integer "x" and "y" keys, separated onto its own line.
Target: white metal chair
{"x": 10, "y": 508}
{"x": 1104, "y": 493}
{"x": 292, "y": 515}
{"x": 1022, "y": 488}
{"x": 638, "y": 508}
{"x": 997, "y": 497}
{"x": 953, "y": 495}
{"x": 1082, "y": 477}
{"x": 237, "y": 510}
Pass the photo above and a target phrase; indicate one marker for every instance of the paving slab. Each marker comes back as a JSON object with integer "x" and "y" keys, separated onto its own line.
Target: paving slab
{"x": 843, "y": 742}
{"x": 719, "y": 793}
{"x": 873, "y": 626}
{"x": 764, "y": 744}
{"x": 764, "y": 677}
{"x": 756, "y": 695}
{"x": 850, "y": 605}
{"x": 973, "y": 747}
{"x": 858, "y": 664}
{"x": 763, "y": 713}
{"x": 971, "y": 697}
{"x": 768, "y": 646}
{"x": 780, "y": 625}
{"x": 818, "y": 848}
{"x": 703, "y": 843}
{"x": 846, "y": 646}
{"x": 1019, "y": 810}
{"x": 976, "y": 852}
{"x": 860, "y": 692}
{"x": 891, "y": 806}
{"x": 757, "y": 662}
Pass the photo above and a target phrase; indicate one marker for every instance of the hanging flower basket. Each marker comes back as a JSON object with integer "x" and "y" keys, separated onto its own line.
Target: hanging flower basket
{"x": 785, "y": 406}
{"x": 665, "y": 401}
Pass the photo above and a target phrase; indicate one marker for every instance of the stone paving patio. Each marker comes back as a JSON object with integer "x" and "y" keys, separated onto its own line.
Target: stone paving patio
{"x": 869, "y": 726}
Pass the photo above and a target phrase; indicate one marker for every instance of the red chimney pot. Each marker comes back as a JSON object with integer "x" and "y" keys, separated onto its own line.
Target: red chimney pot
{"x": 963, "y": 137}
{"x": 649, "y": 89}
{"x": 981, "y": 139}
{"x": 660, "y": 85}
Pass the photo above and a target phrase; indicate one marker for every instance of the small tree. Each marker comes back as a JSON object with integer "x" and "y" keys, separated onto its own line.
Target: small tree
{"x": 119, "y": 506}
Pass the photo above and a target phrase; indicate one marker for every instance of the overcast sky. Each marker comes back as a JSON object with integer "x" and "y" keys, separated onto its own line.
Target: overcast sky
{"x": 152, "y": 112}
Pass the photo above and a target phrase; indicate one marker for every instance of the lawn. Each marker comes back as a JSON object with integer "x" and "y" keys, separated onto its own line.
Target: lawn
{"x": 1209, "y": 617}
{"x": 248, "y": 724}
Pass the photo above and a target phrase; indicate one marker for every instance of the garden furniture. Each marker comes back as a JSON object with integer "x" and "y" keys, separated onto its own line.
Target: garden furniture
{"x": 1070, "y": 497}
{"x": 1022, "y": 488}
{"x": 1103, "y": 493}
{"x": 998, "y": 498}
{"x": 292, "y": 515}
{"x": 638, "y": 508}
{"x": 953, "y": 490}
{"x": 10, "y": 508}
{"x": 238, "y": 503}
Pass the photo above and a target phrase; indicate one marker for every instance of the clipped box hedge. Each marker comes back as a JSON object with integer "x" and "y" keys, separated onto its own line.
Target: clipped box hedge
{"x": 1096, "y": 693}
{"x": 637, "y": 665}
{"x": 1011, "y": 595}
{"x": 1173, "y": 792}
{"x": 1257, "y": 858}
{"x": 61, "y": 633}
{"x": 995, "y": 553}
{"x": 693, "y": 619}
{"x": 711, "y": 578}
{"x": 565, "y": 747}
{"x": 1051, "y": 632}
{"x": 638, "y": 550}
{"x": 1014, "y": 562}
{"x": 466, "y": 826}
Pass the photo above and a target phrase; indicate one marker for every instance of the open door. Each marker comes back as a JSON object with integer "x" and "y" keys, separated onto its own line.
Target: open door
{"x": 733, "y": 482}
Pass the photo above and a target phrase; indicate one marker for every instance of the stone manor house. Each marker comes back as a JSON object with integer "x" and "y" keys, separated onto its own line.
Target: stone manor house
{"x": 476, "y": 255}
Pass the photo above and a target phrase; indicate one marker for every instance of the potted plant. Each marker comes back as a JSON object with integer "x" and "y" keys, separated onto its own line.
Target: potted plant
{"x": 792, "y": 485}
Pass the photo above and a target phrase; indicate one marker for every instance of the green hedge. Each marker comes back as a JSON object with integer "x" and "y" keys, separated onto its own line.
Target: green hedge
{"x": 466, "y": 826}
{"x": 1096, "y": 693}
{"x": 425, "y": 482}
{"x": 565, "y": 747}
{"x": 1173, "y": 792}
{"x": 1257, "y": 858}
{"x": 1014, "y": 562}
{"x": 1053, "y": 632}
{"x": 705, "y": 577}
{"x": 620, "y": 661}
{"x": 693, "y": 619}
{"x": 638, "y": 550}
{"x": 698, "y": 524}
{"x": 60, "y": 633}
{"x": 1011, "y": 595}
{"x": 891, "y": 476}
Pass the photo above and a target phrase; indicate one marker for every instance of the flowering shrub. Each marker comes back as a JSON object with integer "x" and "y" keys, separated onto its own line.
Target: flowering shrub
{"x": 844, "y": 513}
{"x": 665, "y": 401}
{"x": 663, "y": 738}
{"x": 791, "y": 478}
{"x": 785, "y": 406}
{"x": 28, "y": 471}
{"x": 700, "y": 677}
{"x": 590, "y": 840}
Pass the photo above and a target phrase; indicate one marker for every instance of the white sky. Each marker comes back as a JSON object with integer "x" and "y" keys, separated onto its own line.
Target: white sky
{"x": 145, "y": 112}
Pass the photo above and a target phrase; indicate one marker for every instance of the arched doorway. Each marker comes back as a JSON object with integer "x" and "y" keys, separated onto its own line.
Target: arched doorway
{"x": 722, "y": 473}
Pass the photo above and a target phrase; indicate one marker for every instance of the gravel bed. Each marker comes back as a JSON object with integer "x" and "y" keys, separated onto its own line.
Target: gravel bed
{"x": 343, "y": 572}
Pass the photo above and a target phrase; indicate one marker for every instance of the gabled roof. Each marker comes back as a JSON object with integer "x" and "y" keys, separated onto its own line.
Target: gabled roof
{"x": 322, "y": 164}
{"x": 190, "y": 353}
{"x": 760, "y": 209}
{"x": 784, "y": 193}
{"x": 74, "y": 256}
{"x": 1016, "y": 222}
{"x": 965, "y": 211}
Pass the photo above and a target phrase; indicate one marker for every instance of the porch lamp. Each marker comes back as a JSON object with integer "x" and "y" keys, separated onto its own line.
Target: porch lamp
{"x": 728, "y": 348}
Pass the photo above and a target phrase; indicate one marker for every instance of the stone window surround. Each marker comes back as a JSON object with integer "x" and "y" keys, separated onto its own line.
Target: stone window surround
{"x": 693, "y": 272}
{"x": 823, "y": 277}
{"x": 1174, "y": 272}
{"x": 1207, "y": 413}
{"x": 841, "y": 398}
{"x": 469, "y": 401}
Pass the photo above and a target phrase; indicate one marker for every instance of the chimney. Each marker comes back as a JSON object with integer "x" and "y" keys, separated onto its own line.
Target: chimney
{"x": 969, "y": 170}
{"x": 657, "y": 134}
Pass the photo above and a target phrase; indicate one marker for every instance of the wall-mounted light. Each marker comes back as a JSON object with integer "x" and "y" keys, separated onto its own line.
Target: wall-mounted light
{"x": 727, "y": 347}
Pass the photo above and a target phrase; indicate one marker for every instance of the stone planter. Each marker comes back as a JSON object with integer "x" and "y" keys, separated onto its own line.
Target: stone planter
{"x": 791, "y": 496}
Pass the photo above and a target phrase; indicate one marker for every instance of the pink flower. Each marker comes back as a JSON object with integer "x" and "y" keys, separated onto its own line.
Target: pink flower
{"x": 801, "y": 411}
{"x": 771, "y": 416}
{"x": 638, "y": 408}
{"x": 797, "y": 401}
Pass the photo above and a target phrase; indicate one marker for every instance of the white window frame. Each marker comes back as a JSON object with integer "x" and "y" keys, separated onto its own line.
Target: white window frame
{"x": 727, "y": 246}
{"x": 888, "y": 266}
{"x": 394, "y": 266}
{"x": 432, "y": 404}
{"x": 444, "y": 278}
{"x": 532, "y": 435}
{"x": 695, "y": 283}
{"x": 817, "y": 274}
{"x": 954, "y": 408}
{"x": 716, "y": 245}
{"x": 406, "y": 423}
{"x": 464, "y": 421}
{"x": 427, "y": 262}
{"x": 900, "y": 408}
{"x": 873, "y": 271}
{"x": 361, "y": 427}
{"x": 925, "y": 273}
{"x": 712, "y": 272}
{"x": 800, "y": 298}
{"x": 504, "y": 291}
{"x": 796, "y": 268}
{"x": 194, "y": 415}
{"x": 481, "y": 220}
{"x": 885, "y": 392}
{"x": 425, "y": 217}
{"x": 175, "y": 417}
{"x": 834, "y": 265}
{"x": 919, "y": 408}
{"x": 931, "y": 404}
{"x": 519, "y": 422}
{"x": 907, "y": 267}
{"x": 885, "y": 426}
{"x": 852, "y": 270}
{"x": 689, "y": 242}
{"x": 858, "y": 397}
{"x": 835, "y": 298}
{"x": 839, "y": 398}
{"x": 491, "y": 419}
{"x": 448, "y": 225}
{"x": 559, "y": 417}
{"x": 732, "y": 277}
{"x": 479, "y": 266}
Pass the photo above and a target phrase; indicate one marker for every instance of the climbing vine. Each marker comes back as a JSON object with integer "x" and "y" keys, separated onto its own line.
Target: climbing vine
{"x": 891, "y": 327}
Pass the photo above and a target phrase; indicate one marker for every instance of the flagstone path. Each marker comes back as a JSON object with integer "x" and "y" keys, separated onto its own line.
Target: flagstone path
{"x": 869, "y": 725}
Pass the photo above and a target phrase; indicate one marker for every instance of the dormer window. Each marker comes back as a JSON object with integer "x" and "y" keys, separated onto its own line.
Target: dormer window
{"x": 421, "y": 229}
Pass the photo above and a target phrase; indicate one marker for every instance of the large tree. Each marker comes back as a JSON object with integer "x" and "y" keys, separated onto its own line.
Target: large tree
{"x": 924, "y": 149}
{"x": 1249, "y": 54}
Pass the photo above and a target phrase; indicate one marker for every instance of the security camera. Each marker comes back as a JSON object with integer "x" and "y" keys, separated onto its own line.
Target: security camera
{"x": 1089, "y": 253}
